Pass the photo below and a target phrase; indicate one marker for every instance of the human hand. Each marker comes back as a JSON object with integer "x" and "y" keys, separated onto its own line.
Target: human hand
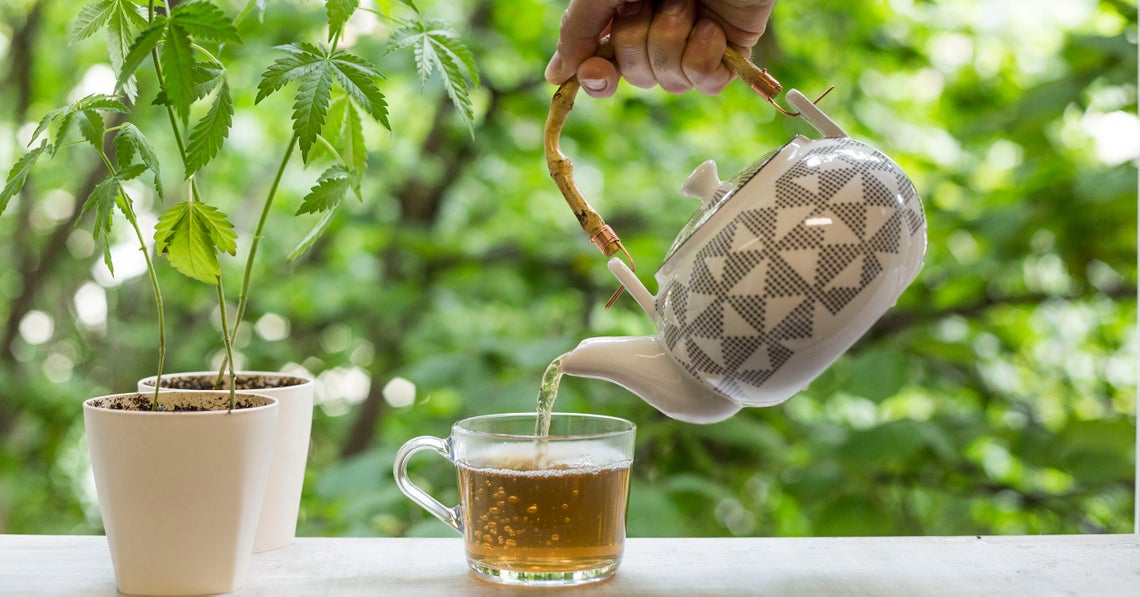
{"x": 676, "y": 44}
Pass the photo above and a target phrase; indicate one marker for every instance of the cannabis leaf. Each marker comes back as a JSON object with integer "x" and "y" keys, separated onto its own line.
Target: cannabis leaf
{"x": 315, "y": 68}
{"x": 436, "y": 46}
{"x": 86, "y": 111}
{"x": 191, "y": 234}
{"x": 19, "y": 173}
{"x": 210, "y": 132}
{"x": 326, "y": 196}
{"x": 102, "y": 201}
{"x": 122, "y": 19}
{"x": 339, "y": 12}
{"x": 130, "y": 143}
{"x": 344, "y": 129}
{"x": 205, "y": 22}
{"x": 182, "y": 74}
{"x": 91, "y": 126}
{"x": 178, "y": 68}
{"x": 311, "y": 238}
{"x": 91, "y": 19}
{"x": 140, "y": 48}
{"x": 358, "y": 78}
{"x": 329, "y": 191}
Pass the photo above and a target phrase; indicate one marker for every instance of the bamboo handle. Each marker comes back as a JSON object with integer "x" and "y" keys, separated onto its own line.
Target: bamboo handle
{"x": 562, "y": 170}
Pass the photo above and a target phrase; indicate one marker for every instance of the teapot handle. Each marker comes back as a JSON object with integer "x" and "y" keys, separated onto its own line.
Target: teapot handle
{"x": 562, "y": 170}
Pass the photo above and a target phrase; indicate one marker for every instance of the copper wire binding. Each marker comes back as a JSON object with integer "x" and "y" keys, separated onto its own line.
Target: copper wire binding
{"x": 562, "y": 170}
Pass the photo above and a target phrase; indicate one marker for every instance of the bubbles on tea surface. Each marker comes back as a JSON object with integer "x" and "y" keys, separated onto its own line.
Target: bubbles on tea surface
{"x": 558, "y": 458}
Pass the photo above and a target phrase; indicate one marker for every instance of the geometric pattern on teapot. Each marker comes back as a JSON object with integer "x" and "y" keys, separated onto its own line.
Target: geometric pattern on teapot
{"x": 755, "y": 290}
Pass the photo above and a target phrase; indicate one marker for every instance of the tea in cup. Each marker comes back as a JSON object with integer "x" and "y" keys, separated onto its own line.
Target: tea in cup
{"x": 534, "y": 510}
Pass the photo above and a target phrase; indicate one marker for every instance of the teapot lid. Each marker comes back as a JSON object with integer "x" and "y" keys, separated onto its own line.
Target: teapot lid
{"x": 713, "y": 198}
{"x": 704, "y": 185}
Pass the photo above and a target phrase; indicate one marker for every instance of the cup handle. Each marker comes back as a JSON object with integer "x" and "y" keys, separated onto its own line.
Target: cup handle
{"x": 449, "y": 516}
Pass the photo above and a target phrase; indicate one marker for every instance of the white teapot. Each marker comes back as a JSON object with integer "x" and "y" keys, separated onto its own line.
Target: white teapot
{"x": 781, "y": 269}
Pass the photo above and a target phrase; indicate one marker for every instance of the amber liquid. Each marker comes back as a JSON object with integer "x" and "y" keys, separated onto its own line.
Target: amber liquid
{"x": 547, "y": 517}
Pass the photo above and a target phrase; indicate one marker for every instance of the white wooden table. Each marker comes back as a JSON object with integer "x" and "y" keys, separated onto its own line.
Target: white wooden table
{"x": 1094, "y": 565}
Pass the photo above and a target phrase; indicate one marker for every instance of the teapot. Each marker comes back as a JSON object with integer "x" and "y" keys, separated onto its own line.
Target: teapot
{"x": 782, "y": 268}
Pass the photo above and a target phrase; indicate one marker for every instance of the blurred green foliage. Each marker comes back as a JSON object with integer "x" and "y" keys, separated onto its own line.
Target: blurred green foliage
{"x": 999, "y": 396}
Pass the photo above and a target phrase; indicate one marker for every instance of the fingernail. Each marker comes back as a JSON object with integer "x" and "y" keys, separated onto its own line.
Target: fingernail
{"x": 554, "y": 69}
{"x": 593, "y": 84}
{"x": 674, "y": 7}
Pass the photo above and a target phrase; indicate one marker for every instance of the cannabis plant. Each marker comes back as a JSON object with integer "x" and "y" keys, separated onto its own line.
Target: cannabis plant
{"x": 335, "y": 93}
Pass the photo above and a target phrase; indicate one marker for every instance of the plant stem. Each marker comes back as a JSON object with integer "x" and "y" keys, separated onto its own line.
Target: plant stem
{"x": 158, "y": 305}
{"x": 229, "y": 343}
{"x": 247, "y": 276}
{"x": 195, "y": 195}
{"x": 243, "y": 295}
{"x": 129, "y": 212}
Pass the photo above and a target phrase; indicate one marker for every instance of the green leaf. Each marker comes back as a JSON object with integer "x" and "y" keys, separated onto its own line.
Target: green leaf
{"x": 191, "y": 234}
{"x": 140, "y": 48}
{"x": 339, "y": 12}
{"x": 210, "y": 132}
{"x": 99, "y": 101}
{"x": 436, "y": 46}
{"x": 130, "y": 142}
{"x": 345, "y": 130}
{"x": 125, "y": 21}
{"x": 302, "y": 59}
{"x": 91, "y": 19}
{"x": 358, "y": 78}
{"x": 130, "y": 172}
{"x": 46, "y": 122}
{"x": 208, "y": 76}
{"x": 63, "y": 118}
{"x": 334, "y": 127}
{"x": 311, "y": 238}
{"x": 92, "y": 127}
{"x": 179, "y": 69}
{"x": 18, "y": 174}
{"x": 328, "y": 192}
{"x": 101, "y": 201}
{"x": 310, "y": 107}
{"x": 206, "y": 22}
{"x": 356, "y": 152}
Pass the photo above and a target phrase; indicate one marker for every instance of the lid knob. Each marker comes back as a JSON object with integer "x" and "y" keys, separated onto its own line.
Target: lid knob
{"x": 702, "y": 183}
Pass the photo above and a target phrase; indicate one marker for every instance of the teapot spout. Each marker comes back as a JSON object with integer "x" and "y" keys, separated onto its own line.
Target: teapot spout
{"x": 641, "y": 365}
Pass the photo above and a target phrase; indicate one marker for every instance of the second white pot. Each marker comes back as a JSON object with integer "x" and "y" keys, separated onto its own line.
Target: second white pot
{"x": 277, "y": 526}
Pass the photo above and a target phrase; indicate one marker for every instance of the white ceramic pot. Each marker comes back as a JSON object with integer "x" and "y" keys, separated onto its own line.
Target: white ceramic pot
{"x": 180, "y": 491}
{"x": 278, "y": 525}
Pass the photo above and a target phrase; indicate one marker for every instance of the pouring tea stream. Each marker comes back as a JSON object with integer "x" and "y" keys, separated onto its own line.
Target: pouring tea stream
{"x": 782, "y": 268}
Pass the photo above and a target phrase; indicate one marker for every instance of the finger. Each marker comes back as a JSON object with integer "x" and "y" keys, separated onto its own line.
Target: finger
{"x": 628, "y": 37}
{"x": 582, "y": 25}
{"x": 701, "y": 61}
{"x": 742, "y": 23}
{"x": 599, "y": 77}
{"x": 666, "y": 43}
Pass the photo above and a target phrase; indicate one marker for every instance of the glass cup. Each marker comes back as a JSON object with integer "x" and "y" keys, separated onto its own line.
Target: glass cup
{"x": 534, "y": 510}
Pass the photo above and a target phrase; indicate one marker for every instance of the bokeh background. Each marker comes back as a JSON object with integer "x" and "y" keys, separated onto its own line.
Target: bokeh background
{"x": 999, "y": 396}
